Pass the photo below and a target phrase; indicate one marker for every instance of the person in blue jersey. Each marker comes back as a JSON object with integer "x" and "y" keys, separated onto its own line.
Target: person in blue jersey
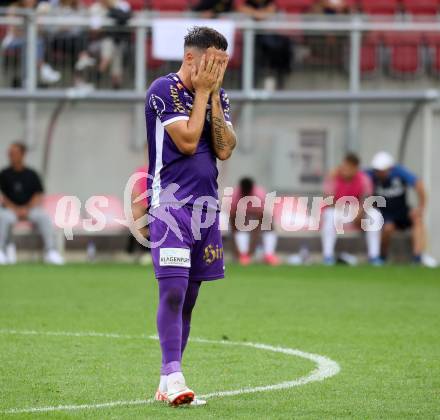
{"x": 392, "y": 181}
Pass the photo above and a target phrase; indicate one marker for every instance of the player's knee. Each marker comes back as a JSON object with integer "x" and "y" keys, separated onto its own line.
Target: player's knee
{"x": 388, "y": 228}
{"x": 174, "y": 298}
{"x": 7, "y": 217}
{"x": 416, "y": 219}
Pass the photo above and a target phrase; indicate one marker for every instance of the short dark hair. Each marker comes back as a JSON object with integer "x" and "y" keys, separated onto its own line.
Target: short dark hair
{"x": 352, "y": 158}
{"x": 246, "y": 186}
{"x": 203, "y": 37}
{"x": 23, "y": 148}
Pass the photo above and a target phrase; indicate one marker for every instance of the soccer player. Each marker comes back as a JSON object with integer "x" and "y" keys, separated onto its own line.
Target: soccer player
{"x": 244, "y": 240}
{"x": 188, "y": 128}
{"x": 348, "y": 181}
{"x": 392, "y": 182}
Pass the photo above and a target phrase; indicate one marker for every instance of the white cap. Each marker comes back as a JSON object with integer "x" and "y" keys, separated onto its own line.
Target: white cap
{"x": 382, "y": 161}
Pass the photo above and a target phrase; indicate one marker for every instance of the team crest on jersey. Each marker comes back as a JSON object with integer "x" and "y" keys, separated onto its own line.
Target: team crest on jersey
{"x": 212, "y": 254}
{"x": 157, "y": 103}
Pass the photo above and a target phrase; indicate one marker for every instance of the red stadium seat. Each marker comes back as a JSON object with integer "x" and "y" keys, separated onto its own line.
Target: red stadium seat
{"x": 3, "y": 30}
{"x": 170, "y": 5}
{"x": 137, "y": 5}
{"x": 295, "y": 6}
{"x": 370, "y": 60}
{"x": 433, "y": 43}
{"x": 404, "y": 53}
{"x": 421, "y": 7}
{"x": 87, "y": 3}
{"x": 380, "y": 7}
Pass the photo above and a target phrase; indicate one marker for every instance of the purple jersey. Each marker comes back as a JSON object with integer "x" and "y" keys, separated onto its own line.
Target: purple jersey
{"x": 167, "y": 101}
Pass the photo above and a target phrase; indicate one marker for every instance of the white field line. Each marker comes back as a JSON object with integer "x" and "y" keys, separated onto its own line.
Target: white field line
{"x": 325, "y": 368}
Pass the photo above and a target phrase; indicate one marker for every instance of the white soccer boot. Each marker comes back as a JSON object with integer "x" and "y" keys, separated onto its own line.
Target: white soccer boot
{"x": 178, "y": 393}
{"x": 3, "y": 259}
{"x": 53, "y": 257}
{"x": 11, "y": 254}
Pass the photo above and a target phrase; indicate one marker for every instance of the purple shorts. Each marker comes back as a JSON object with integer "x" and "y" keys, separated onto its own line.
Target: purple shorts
{"x": 197, "y": 254}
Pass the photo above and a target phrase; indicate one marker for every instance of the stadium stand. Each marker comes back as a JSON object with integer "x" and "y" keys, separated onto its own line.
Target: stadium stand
{"x": 370, "y": 54}
{"x": 433, "y": 44}
{"x": 380, "y": 7}
{"x": 404, "y": 53}
{"x": 297, "y": 7}
{"x": 421, "y": 7}
{"x": 170, "y": 5}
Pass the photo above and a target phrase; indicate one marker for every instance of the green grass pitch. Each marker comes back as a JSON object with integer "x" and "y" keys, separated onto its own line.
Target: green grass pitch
{"x": 381, "y": 325}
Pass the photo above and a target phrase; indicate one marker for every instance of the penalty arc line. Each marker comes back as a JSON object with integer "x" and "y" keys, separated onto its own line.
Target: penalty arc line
{"x": 326, "y": 368}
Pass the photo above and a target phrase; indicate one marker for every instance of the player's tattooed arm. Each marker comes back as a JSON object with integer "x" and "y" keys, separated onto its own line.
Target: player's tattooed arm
{"x": 223, "y": 135}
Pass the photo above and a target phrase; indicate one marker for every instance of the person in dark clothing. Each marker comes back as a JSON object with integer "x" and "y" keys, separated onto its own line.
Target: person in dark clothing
{"x": 212, "y": 8}
{"x": 392, "y": 182}
{"x": 22, "y": 196}
{"x": 273, "y": 51}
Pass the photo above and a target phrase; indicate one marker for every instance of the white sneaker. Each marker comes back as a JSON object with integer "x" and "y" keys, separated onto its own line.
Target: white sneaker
{"x": 270, "y": 84}
{"x": 429, "y": 261}
{"x": 178, "y": 393}
{"x": 53, "y": 257}
{"x": 3, "y": 259}
{"x": 48, "y": 75}
{"x": 84, "y": 61}
{"x": 348, "y": 259}
{"x": 11, "y": 254}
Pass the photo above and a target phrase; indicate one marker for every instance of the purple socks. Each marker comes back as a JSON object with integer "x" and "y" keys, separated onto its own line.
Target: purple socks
{"x": 190, "y": 300}
{"x": 177, "y": 298}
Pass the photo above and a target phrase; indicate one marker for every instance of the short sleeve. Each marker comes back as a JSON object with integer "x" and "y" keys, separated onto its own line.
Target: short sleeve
{"x": 2, "y": 182}
{"x": 37, "y": 184}
{"x": 164, "y": 99}
{"x": 406, "y": 175}
{"x": 226, "y": 106}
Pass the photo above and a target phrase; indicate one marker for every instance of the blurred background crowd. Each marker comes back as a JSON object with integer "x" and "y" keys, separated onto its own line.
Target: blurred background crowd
{"x": 99, "y": 55}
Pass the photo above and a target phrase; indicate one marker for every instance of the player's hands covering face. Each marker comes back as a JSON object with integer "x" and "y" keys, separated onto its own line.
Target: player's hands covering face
{"x": 223, "y": 59}
{"x": 206, "y": 77}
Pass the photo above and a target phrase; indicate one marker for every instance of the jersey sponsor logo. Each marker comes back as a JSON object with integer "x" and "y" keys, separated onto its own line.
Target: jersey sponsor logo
{"x": 157, "y": 103}
{"x": 174, "y": 257}
{"x": 212, "y": 254}
{"x": 177, "y": 104}
{"x": 395, "y": 189}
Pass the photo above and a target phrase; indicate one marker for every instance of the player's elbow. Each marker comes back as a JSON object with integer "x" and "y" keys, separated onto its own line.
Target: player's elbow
{"x": 224, "y": 155}
{"x": 187, "y": 149}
